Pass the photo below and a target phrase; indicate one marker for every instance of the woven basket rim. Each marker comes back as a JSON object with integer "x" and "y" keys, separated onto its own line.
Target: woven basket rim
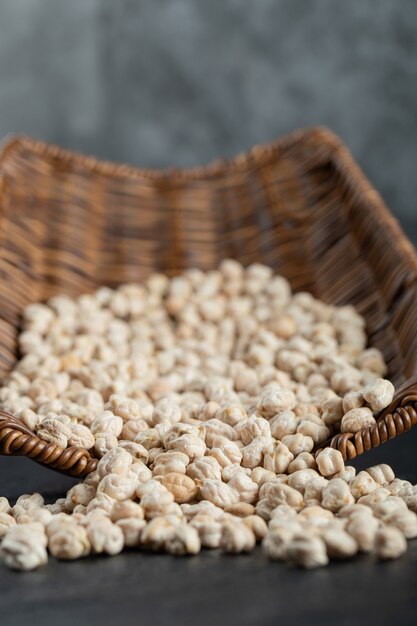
{"x": 258, "y": 155}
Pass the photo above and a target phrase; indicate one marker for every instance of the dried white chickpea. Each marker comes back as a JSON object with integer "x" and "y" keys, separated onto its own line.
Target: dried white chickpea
{"x": 362, "y": 485}
{"x": 157, "y": 504}
{"x": 190, "y": 445}
{"x": 209, "y": 410}
{"x": 138, "y": 452}
{"x": 117, "y": 486}
{"x": 107, "y": 422}
{"x": 230, "y": 470}
{"x": 379, "y": 394}
{"x": 68, "y": 541}
{"x": 356, "y": 419}
{"x": 81, "y": 437}
{"x": 29, "y": 502}
{"x": 382, "y": 473}
{"x": 89, "y": 517}
{"x": 394, "y": 511}
{"x": 245, "y": 487}
{"x": 78, "y": 510}
{"x": 152, "y": 487}
{"x": 390, "y": 543}
{"x": 236, "y": 537}
{"x": 278, "y": 493}
{"x": 300, "y": 479}
{"x": 332, "y": 410}
{"x": 6, "y": 521}
{"x": 285, "y": 423}
{"x": 363, "y": 528}
{"x": 131, "y": 528}
{"x": 116, "y": 461}
{"x": 102, "y": 501}
{"x": 377, "y": 495}
{"x": 182, "y": 487}
{"x": 104, "y": 536}
{"x": 133, "y": 427}
{"x": 336, "y": 494}
{"x": 406, "y": 521}
{"x": 339, "y": 544}
{"x": 253, "y": 453}
{"x": 352, "y": 400}
{"x": 307, "y": 550}
{"x": 184, "y": 540}
{"x": 209, "y": 530}
{"x": 214, "y": 427}
{"x": 410, "y": 498}
{"x": 318, "y": 432}
{"x": 218, "y": 493}
{"x": 260, "y": 475}
{"x": 24, "y": 547}
{"x": 104, "y": 442}
{"x": 166, "y": 411}
{"x": 5, "y": 505}
{"x": 257, "y": 525}
{"x": 204, "y": 467}
{"x": 347, "y": 474}
{"x": 30, "y": 418}
{"x": 314, "y": 488}
{"x": 277, "y": 457}
{"x": 126, "y": 408}
{"x": 275, "y": 543}
{"x": 373, "y": 361}
{"x": 126, "y": 509}
{"x": 166, "y": 462}
{"x": 23, "y": 518}
{"x": 253, "y": 427}
{"x": 153, "y": 453}
{"x": 142, "y": 473}
{"x": 54, "y": 431}
{"x": 227, "y": 452}
{"x": 56, "y": 507}
{"x": 315, "y": 516}
{"x": 354, "y": 509}
{"x": 157, "y": 533}
{"x": 397, "y": 487}
{"x": 329, "y": 462}
{"x": 79, "y": 494}
{"x": 240, "y": 509}
{"x": 204, "y": 507}
{"x": 275, "y": 399}
{"x": 302, "y": 461}
{"x": 298, "y": 443}
{"x": 232, "y": 414}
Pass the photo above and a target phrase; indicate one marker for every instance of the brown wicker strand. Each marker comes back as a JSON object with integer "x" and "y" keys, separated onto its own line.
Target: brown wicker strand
{"x": 387, "y": 427}
{"x": 17, "y": 440}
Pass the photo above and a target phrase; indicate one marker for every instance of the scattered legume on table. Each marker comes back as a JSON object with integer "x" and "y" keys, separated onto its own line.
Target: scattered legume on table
{"x": 203, "y": 396}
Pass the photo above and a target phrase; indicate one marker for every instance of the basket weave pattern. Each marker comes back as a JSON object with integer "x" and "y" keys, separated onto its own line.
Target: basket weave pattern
{"x": 69, "y": 224}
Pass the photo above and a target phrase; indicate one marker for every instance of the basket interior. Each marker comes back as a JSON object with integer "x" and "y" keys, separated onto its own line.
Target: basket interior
{"x": 69, "y": 224}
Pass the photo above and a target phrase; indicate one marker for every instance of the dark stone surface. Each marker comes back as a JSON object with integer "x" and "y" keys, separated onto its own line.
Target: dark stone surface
{"x": 163, "y": 83}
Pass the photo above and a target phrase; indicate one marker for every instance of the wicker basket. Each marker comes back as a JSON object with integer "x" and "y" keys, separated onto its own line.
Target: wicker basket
{"x": 301, "y": 205}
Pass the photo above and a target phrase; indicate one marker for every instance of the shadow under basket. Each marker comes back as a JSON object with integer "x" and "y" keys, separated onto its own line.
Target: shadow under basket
{"x": 69, "y": 224}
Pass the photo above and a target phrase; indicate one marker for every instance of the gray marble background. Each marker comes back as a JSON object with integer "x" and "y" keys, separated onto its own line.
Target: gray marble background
{"x": 180, "y": 82}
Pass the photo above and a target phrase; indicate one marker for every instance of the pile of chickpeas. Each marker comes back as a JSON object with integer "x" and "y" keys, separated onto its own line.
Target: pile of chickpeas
{"x": 205, "y": 397}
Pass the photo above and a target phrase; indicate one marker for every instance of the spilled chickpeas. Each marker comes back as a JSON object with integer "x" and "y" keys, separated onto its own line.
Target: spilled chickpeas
{"x": 204, "y": 397}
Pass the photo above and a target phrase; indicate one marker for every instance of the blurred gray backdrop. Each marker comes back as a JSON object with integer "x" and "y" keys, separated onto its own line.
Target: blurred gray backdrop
{"x": 180, "y": 82}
